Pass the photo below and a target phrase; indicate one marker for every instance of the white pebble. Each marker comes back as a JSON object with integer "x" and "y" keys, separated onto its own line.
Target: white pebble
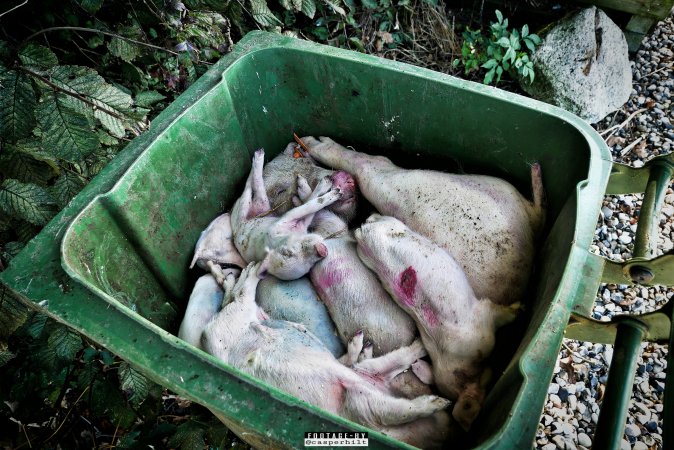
{"x": 584, "y": 440}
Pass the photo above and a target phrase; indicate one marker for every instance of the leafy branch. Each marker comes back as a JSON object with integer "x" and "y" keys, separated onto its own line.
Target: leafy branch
{"x": 105, "y": 33}
{"x": 70, "y": 93}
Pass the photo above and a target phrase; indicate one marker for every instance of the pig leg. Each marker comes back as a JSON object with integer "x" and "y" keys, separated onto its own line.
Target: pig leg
{"x": 364, "y": 403}
{"x": 367, "y": 352}
{"x": 203, "y": 305}
{"x": 260, "y": 200}
{"x": 235, "y": 316}
{"x": 536, "y": 210}
{"x": 353, "y": 350}
{"x": 219, "y": 273}
{"x": 293, "y": 220}
{"x": 423, "y": 371}
{"x": 393, "y": 363}
{"x": 251, "y": 203}
{"x": 331, "y": 154}
{"x": 306, "y": 194}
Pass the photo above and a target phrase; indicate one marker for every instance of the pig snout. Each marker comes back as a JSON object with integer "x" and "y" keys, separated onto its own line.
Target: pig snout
{"x": 346, "y": 206}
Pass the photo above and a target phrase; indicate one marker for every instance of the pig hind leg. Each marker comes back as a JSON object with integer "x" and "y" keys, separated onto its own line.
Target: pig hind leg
{"x": 393, "y": 363}
{"x": 367, "y": 405}
{"x": 295, "y": 219}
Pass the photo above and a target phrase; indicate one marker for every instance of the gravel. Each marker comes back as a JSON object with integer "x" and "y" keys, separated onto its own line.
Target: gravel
{"x": 577, "y": 389}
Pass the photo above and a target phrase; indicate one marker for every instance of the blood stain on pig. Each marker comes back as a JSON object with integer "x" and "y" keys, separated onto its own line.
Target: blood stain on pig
{"x": 407, "y": 285}
{"x": 429, "y": 315}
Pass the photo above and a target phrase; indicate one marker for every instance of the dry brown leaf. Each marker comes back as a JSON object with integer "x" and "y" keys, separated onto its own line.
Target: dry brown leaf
{"x": 615, "y": 140}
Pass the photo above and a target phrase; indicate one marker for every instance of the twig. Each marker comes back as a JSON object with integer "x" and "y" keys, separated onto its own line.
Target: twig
{"x": 106, "y": 33}
{"x": 654, "y": 72}
{"x": 68, "y": 413}
{"x": 627, "y": 149}
{"x": 302, "y": 144}
{"x": 23, "y": 427}
{"x": 625, "y": 122}
{"x": 579, "y": 356}
{"x": 16, "y": 7}
{"x": 72, "y": 94}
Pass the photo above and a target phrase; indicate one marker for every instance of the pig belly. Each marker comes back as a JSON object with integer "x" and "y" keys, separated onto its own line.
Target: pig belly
{"x": 297, "y": 301}
{"x": 357, "y": 301}
{"x": 479, "y": 220}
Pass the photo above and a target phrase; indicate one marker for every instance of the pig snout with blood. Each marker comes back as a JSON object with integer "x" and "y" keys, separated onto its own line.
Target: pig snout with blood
{"x": 216, "y": 248}
{"x": 482, "y": 221}
{"x": 456, "y": 327}
{"x": 280, "y": 176}
{"x": 297, "y": 301}
{"x": 288, "y": 356}
{"x": 353, "y": 295}
{"x": 281, "y": 243}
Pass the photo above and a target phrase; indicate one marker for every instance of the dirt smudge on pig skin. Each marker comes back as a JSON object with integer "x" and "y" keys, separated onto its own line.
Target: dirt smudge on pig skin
{"x": 407, "y": 285}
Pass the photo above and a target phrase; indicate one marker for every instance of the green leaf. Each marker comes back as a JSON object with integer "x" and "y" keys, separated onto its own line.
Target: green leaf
{"x": 35, "y": 325}
{"x": 499, "y": 72}
{"x": 123, "y": 49}
{"x": 504, "y": 42}
{"x": 133, "y": 383}
{"x": 525, "y": 30}
{"x": 91, "y": 6}
{"x": 336, "y": 7}
{"x": 26, "y": 201}
{"x": 64, "y": 342}
{"x": 535, "y": 39}
{"x": 488, "y": 77}
{"x": 262, "y": 14}
{"x": 370, "y": 4}
{"x": 87, "y": 83}
{"x": 499, "y": 16}
{"x": 37, "y": 57}
{"x": 17, "y": 105}
{"x": 5, "y": 354}
{"x": 66, "y": 187}
{"x": 22, "y": 166}
{"x": 308, "y": 8}
{"x": 66, "y": 133}
{"x": 188, "y": 436}
{"x": 530, "y": 45}
{"x": 148, "y": 98}
{"x": 490, "y": 64}
{"x": 287, "y": 4}
{"x": 510, "y": 54}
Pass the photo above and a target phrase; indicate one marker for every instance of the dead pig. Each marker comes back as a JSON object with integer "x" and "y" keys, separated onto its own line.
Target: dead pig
{"x": 482, "y": 221}
{"x": 351, "y": 292}
{"x": 280, "y": 175}
{"x": 282, "y": 243}
{"x": 288, "y": 356}
{"x": 216, "y": 248}
{"x": 297, "y": 301}
{"x": 456, "y": 327}
{"x": 205, "y": 301}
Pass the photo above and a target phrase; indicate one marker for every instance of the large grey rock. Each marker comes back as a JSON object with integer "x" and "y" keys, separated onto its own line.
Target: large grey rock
{"x": 582, "y": 66}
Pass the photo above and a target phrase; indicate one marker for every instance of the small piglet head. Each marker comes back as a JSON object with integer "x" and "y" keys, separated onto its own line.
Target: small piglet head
{"x": 294, "y": 258}
{"x": 346, "y": 206}
{"x": 378, "y": 235}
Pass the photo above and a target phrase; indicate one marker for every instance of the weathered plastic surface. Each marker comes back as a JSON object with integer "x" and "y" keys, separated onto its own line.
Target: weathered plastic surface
{"x": 125, "y": 281}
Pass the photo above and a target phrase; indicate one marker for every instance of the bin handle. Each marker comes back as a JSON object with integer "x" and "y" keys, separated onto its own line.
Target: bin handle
{"x": 627, "y": 332}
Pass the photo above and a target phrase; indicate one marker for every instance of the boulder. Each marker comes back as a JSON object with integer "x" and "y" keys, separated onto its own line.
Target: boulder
{"x": 582, "y": 66}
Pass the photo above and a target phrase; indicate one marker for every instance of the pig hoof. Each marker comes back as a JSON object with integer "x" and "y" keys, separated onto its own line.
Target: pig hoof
{"x": 373, "y": 218}
{"x": 465, "y": 411}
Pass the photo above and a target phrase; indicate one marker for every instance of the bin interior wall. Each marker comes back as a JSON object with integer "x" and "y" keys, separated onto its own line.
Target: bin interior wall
{"x": 197, "y": 169}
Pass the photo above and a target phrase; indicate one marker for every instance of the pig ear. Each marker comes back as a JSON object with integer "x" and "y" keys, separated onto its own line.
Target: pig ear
{"x": 321, "y": 249}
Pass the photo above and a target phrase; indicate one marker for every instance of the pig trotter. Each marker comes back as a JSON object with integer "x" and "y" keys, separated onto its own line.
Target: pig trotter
{"x": 353, "y": 350}
{"x": 423, "y": 371}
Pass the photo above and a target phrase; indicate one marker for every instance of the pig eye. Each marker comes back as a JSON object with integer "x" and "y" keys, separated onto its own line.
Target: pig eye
{"x": 281, "y": 191}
